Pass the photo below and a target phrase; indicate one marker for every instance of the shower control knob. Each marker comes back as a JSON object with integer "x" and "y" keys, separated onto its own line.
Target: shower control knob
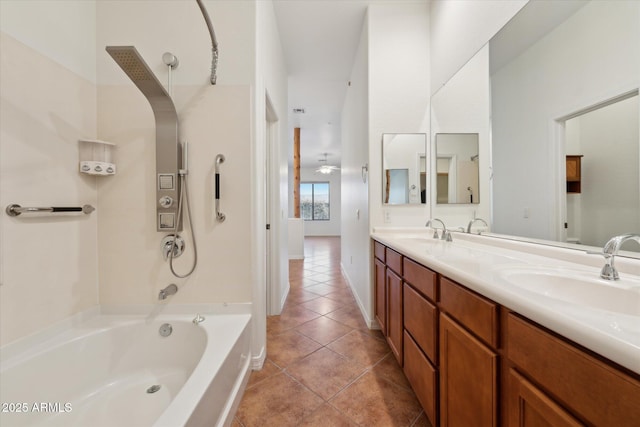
{"x": 166, "y": 202}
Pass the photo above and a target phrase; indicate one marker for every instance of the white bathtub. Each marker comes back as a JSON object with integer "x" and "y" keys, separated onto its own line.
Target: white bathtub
{"x": 96, "y": 372}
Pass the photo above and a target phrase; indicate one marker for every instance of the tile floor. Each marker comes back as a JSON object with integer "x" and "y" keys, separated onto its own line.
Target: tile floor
{"x": 324, "y": 366}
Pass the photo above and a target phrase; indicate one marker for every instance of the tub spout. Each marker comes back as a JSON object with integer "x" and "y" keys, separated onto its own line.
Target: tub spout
{"x": 169, "y": 290}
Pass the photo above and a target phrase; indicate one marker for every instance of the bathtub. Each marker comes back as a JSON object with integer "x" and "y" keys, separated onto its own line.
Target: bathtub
{"x": 117, "y": 370}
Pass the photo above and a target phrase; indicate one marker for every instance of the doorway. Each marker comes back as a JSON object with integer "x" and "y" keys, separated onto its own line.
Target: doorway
{"x": 602, "y": 179}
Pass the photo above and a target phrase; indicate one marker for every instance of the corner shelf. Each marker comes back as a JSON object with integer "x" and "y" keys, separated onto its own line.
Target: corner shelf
{"x": 96, "y": 157}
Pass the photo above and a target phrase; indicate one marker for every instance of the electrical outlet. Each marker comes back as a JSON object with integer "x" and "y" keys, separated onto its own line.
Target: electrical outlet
{"x": 351, "y": 259}
{"x": 387, "y": 216}
{"x": 526, "y": 212}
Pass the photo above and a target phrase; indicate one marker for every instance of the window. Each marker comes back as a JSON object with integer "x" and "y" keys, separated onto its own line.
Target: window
{"x": 314, "y": 201}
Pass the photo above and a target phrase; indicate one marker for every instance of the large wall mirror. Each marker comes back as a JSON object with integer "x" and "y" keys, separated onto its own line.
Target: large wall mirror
{"x": 563, "y": 79}
{"x": 404, "y": 168}
{"x": 460, "y": 130}
{"x": 564, "y": 83}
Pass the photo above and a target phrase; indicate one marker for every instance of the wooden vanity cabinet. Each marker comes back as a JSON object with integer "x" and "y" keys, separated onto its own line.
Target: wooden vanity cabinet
{"x": 469, "y": 361}
{"x": 388, "y": 296}
{"x": 573, "y": 173}
{"x": 420, "y": 315}
{"x": 593, "y": 390}
{"x": 472, "y": 362}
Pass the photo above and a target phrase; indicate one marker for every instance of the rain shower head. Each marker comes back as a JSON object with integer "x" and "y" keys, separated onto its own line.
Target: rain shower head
{"x": 167, "y": 147}
{"x": 128, "y": 58}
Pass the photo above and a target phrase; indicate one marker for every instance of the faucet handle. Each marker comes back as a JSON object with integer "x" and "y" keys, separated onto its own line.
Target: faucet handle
{"x": 435, "y": 234}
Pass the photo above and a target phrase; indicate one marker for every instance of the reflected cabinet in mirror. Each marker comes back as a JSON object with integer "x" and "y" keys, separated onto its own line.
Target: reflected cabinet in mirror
{"x": 404, "y": 168}
{"x": 457, "y": 172}
{"x": 564, "y": 122}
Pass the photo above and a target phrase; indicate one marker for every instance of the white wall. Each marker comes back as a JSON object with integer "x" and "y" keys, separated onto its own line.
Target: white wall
{"x": 331, "y": 227}
{"x": 398, "y": 95}
{"x": 460, "y": 28}
{"x": 355, "y": 242}
{"x": 271, "y": 81}
{"x": 48, "y": 263}
{"x": 527, "y": 169}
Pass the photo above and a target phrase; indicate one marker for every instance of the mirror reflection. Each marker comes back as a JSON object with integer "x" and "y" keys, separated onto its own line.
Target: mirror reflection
{"x": 457, "y": 172}
{"x": 564, "y": 102}
{"x": 404, "y": 166}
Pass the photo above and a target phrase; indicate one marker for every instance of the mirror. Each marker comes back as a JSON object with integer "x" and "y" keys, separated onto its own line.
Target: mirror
{"x": 573, "y": 60}
{"x": 404, "y": 166}
{"x": 460, "y": 130}
{"x": 457, "y": 172}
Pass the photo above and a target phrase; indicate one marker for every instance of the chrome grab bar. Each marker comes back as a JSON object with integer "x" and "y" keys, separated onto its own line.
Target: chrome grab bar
{"x": 219, "y": 215}
{"x": 15, "y": 210}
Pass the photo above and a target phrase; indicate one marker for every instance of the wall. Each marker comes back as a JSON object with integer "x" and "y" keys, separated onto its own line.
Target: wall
{"x": 459, "y": 29}
{"x": 398, "y": 95}
{"x": 355, "y": 243}
{"x": 331, "y": 227}
{"x": 48, "y": 263}
{"x": 271, "y": 87}
{"x": 527, "y": 173}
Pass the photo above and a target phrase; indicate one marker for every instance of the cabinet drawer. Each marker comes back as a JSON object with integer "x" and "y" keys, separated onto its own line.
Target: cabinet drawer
{"x": 422, "y": 376}
{"x": 378, "y": 251}
{"x": 476, "y": 313}
{"x": 421, "y": 278}
{"x": 600, "y": 393}
{"x": 421, "y": 321}
{"x": 394, "y": 261}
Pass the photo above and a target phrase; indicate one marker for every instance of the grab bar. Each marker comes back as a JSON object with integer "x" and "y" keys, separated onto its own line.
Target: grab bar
{"x": 219, "y": 215}
{"x": 15, "y": 210}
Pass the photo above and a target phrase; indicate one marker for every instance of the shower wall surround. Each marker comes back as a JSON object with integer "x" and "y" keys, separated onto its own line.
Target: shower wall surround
{"x": 56, "y": 267}
{"x": 48, "y": 265}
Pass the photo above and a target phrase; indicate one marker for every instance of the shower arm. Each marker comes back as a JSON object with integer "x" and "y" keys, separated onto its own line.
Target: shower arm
{"x": 214, "y": 43}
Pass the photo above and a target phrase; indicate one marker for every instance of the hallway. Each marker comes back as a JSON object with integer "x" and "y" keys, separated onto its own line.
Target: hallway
{"x": 324, "y": 366}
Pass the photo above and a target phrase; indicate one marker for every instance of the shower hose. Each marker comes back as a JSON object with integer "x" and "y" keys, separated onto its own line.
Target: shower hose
{"x": 184, "y": 194}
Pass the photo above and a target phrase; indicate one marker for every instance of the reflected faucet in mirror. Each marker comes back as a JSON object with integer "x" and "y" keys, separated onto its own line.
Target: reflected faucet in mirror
{"x": 474, "y": 221}
{"x": 610, "y": 251}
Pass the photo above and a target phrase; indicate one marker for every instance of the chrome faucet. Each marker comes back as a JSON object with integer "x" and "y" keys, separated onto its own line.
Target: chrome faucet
{"x": 446, "y": 235}
{"x": 473, "y": 221}
{"x": 610, "y": 250}
{"x": 169, "y": 290}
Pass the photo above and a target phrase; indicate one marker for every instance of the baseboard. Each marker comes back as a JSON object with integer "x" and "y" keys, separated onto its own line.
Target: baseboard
{"x": 258, "y": 361}
{"x": 371, "y": 323}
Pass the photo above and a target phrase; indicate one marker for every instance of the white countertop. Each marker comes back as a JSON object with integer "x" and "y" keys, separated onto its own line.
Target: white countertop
{"x": 604, "y": 316}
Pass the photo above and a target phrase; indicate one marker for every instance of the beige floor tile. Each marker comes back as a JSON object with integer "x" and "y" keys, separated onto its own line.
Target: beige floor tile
{"x": 322, "y": 305}
{"x": 269, "y": 369}
{"x": 288, "y": 347}
{"x": 323, "y": 330}
{"x": 360, "y": 347}
{"x": 389, "y": 370}
{"x": 325, "y": 372}
{"x": 327, "y": 416}
{"x": 278, "y": 401}
{"x": 371, "y": 401}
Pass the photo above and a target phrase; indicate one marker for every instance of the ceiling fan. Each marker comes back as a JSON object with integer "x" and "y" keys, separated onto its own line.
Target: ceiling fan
{"x": 324, "y": 167}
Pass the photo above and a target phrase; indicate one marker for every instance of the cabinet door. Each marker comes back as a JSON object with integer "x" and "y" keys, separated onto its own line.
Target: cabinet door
{"x": 468, "y": 378}
{"x": 394, "y": 314}
{"x": 422, "y": 376}
{"x": 530, "y": 407}
{"x": 380, "y": 284}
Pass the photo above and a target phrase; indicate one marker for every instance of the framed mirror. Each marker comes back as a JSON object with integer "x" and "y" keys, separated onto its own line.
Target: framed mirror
{"x": 404, "y": 168}
{"x": 457, "y": 171}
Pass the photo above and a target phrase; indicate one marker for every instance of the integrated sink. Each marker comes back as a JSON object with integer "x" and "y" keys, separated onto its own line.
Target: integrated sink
{"x": 578, "y": 287}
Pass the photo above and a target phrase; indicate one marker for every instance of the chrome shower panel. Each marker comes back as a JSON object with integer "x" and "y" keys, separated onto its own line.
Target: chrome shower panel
{"x": 167, "y": 146}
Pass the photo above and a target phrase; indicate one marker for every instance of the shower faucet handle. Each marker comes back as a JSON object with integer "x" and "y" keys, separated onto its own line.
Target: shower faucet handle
{"x": 166, "y": 201}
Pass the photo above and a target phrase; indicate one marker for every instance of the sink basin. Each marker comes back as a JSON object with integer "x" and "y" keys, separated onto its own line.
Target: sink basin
{"x": 577, "y": 287}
